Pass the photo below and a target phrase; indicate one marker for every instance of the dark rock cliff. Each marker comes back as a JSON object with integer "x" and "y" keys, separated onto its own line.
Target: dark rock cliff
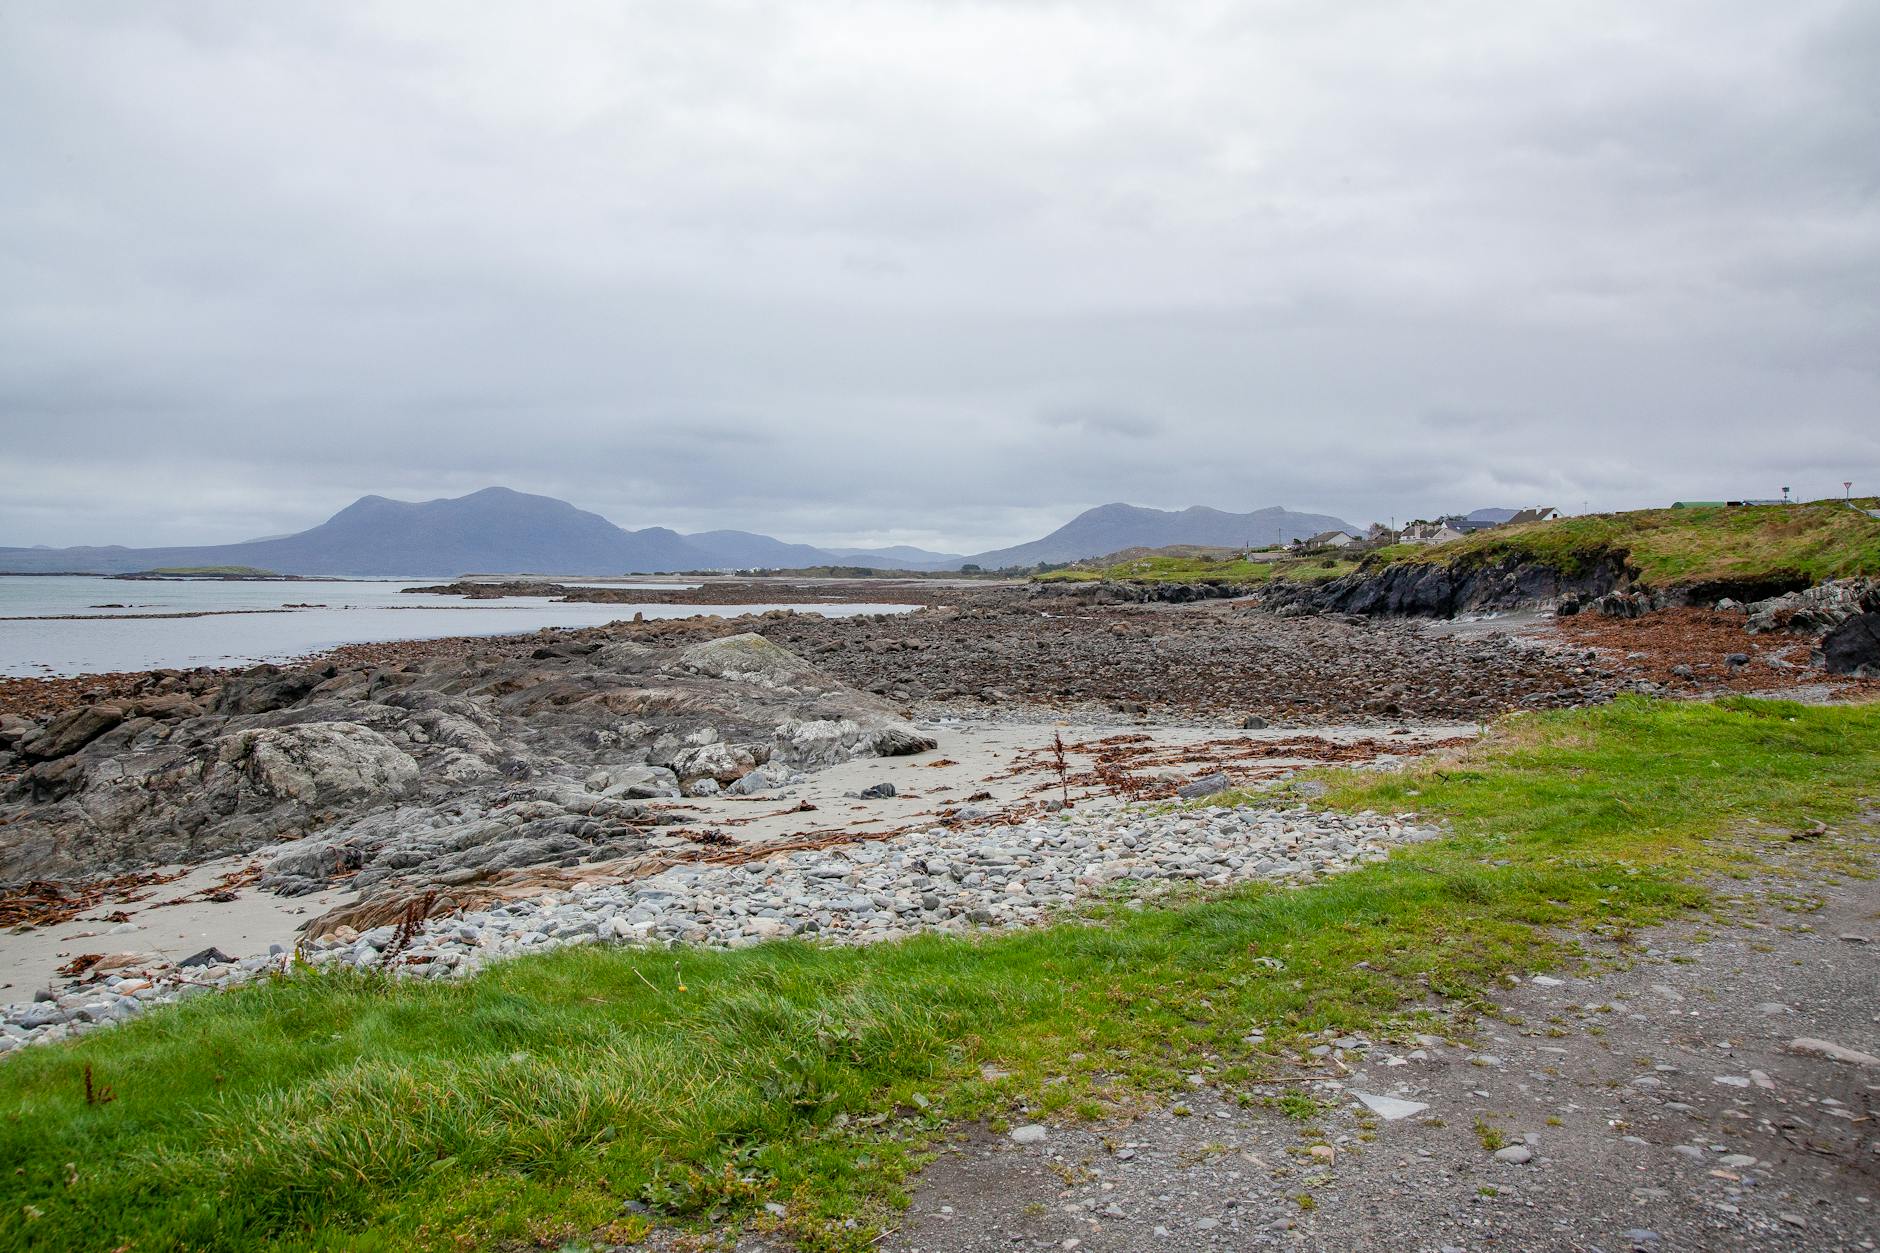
{"x": 1444, "y": 590}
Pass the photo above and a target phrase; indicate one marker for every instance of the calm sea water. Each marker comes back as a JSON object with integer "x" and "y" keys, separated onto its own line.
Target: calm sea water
{"x": 58, "y": 625}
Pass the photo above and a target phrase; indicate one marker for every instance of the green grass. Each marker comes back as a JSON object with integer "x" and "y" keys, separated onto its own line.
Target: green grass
{"x": 550, "y": 1097}
{"x": 1673, "y": 547}
{"x": 1194, "y": 569}
{"x": 218, "y": 572}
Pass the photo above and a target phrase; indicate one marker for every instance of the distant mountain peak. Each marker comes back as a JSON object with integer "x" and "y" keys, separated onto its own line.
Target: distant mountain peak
{"x": 493, "y": 530}
{"x": 1116, "y": 526}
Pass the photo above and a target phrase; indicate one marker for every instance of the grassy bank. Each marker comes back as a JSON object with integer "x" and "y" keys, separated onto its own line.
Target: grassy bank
{"x": 1673, "y": 547}
{"x": 555, "y": 1098}
{"x": 1192, "y": 569}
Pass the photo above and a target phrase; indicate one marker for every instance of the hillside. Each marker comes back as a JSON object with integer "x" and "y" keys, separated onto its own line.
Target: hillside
{"x": 1190, "y": 564}
{"x": 745, "y": 550}
{"x": 1698, "y": 554}
{"x": 1114, "y": 527}
{"x": 898, "y": 557}
{"x": 1666, "y": 548}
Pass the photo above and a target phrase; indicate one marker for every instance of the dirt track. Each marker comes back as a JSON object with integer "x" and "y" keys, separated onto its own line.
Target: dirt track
{"x": 1658, "y": 1103}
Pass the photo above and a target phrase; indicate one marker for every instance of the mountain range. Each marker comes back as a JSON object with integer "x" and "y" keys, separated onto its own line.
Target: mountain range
{"x": 1112, "y": 528}
{"x": 500, "y": 531}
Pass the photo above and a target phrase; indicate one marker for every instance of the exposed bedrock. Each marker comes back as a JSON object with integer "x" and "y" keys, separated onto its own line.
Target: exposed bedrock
{"x": 1853, "y": 647}
{"x": 1444, "y": 591}
{"x": 1111, "y": 592}
{"x": 449, "y": 767}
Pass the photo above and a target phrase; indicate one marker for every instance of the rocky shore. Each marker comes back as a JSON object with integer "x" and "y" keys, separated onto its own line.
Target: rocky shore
{"x": 719, "y": 590}
{"x": 475, "y": 798}
{"x": 948, "y": 879}
{"x": 452, "y": 766}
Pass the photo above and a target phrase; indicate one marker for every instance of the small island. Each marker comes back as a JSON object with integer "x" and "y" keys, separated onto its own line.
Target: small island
{"x": 228, "y": 574}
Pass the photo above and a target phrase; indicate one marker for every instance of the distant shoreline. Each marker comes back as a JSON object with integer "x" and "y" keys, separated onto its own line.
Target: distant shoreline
{"x": 146, "y": 577}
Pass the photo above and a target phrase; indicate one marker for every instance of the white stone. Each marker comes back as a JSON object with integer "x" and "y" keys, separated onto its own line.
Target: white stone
{"x": 1390, "y": 1108}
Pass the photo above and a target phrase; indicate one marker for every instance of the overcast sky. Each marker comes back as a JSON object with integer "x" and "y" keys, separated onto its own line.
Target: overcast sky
{"x": 941, "y": 273}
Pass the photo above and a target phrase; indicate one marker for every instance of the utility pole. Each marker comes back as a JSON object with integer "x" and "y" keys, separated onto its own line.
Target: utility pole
{"x": 1847, "y": 490}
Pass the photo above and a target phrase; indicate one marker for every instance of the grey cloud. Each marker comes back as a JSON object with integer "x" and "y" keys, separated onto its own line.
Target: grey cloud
{"x": 925, "y": 271}
{"x": 1100, "y": 419}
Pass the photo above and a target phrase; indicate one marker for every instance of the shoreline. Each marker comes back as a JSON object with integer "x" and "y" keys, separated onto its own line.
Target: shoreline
{"x": 402, "y": 650}
{"x": 827, "y": 815}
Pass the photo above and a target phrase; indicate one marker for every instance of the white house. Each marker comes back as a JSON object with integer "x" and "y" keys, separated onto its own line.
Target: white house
{"x": 1430, "y": 533}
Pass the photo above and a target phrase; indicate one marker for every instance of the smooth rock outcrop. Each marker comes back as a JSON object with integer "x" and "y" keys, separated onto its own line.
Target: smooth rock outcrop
{"x": 318, "y": 764}
{"x": 540, "y": 751}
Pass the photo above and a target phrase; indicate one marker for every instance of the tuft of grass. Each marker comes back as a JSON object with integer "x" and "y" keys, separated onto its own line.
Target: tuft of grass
{"x": 1298, "y": 1106}
{"x": 533, "y": 1103}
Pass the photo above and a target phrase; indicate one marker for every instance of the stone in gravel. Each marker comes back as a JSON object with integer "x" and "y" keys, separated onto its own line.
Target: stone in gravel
{"x": 750, "y": 784}
{"x": 1808, "y": 1046}
{"x": 1206, "y": 785}
{"x": 41, "y": 1015}
{"x": 1390, "y": 1108}
{"x": 1545, "y": 981}
{"x": 1640, "y": 1238}
{"x": 876, "y": 792}
{"x": 1732, "y": 1081}
{"x": 1515, "y": 1154}
{"x": 1853, "y": 938}
{"x": 1030, "y": 1133}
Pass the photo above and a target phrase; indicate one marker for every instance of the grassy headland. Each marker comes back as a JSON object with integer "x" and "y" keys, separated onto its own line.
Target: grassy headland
{"x": 1665, "y": 548}
{"x": 1178, "y": 568}
{"x": 1678, "y": 547}
{"x": 564, "y": 1097}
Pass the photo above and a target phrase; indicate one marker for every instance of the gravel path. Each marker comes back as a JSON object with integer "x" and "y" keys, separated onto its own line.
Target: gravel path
{"x": 1655, "y": 1107}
